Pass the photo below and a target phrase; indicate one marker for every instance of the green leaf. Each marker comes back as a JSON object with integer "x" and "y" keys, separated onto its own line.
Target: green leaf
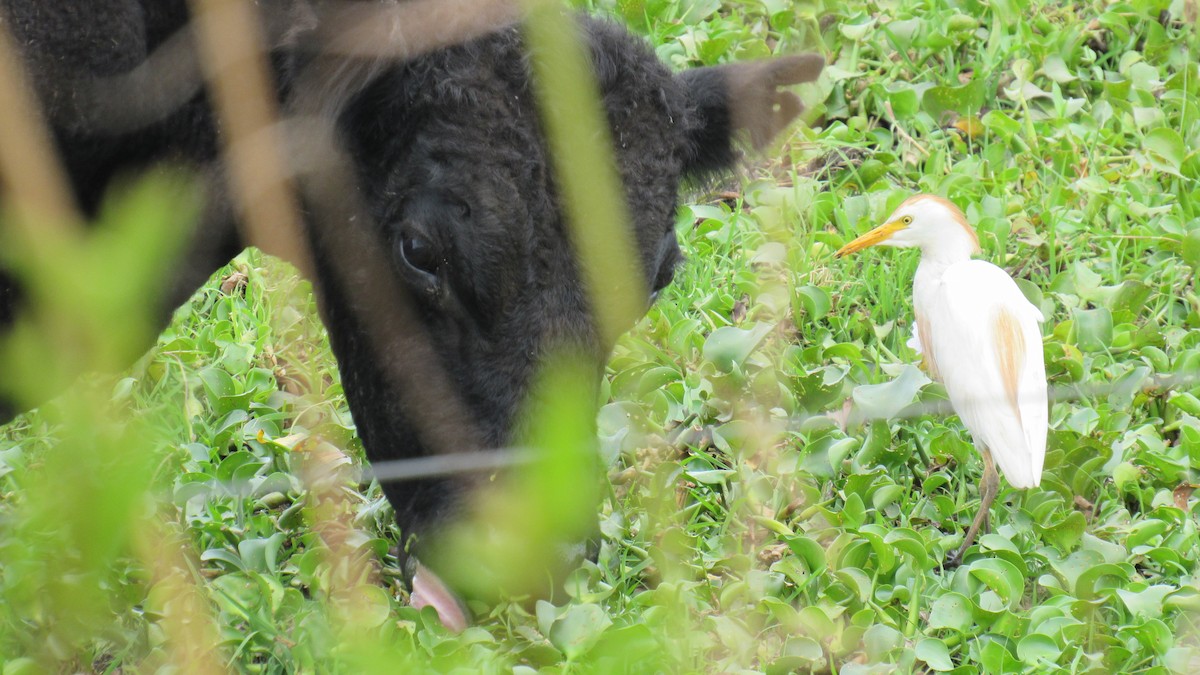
{"x": 695, "y": 11}
{"x": 881, "y": 640}
{"x": 815, "y": 301}
{"x": 854, "y": 513}
{"x": 885, "y": 401}
{"x": 815, "y": 621}
{"x": 1001, "y": 124}
{"x": 903, "y": 98}
{"x": 729, "y": 346}
{"x": 1093, "y": 329}
{"x": 934, "y": 653}
{"x": 1002, "y": 577}
{"x": 908, "y": 542}
{"x": 952, "y": 611}
{"x": 1037, "y": 648}
{"x": 222, "y": 555}
{"x": 1148, "y": 602}
{"x": 1094, "y": 581}
{"x": 1066, "y": 533}
{"x": 1190, "y": 248}
{"x": 580, "y": 627}
{"x": 1165, "y": 149}
{"x": 1031, "y": 291}
{"x": 811, "y": 553}
{"x": 1154, "y": 635}
{"x": 258, "y": 554}
{"x": 996, "y": 659}
{"x": 966, "y": 99}
{"x": 1056, "y": 69}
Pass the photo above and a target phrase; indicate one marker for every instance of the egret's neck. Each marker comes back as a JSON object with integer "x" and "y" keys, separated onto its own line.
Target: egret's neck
{"x": 945, "y": 251}
{"x": 938, "y": 257}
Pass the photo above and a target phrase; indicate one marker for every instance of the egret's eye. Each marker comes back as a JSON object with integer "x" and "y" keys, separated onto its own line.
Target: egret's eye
{"x": 419, "y": 253}
{"x": 907, "y": 220}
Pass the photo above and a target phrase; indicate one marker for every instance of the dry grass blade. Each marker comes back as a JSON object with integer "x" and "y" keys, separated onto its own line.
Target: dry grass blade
{"x": 230, "y": 39}
{"x": 186, "y": 616}
{"x": 36, "y": 185}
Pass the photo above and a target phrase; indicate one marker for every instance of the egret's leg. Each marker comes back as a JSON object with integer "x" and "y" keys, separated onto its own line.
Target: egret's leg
{"x": 988, "y": 487}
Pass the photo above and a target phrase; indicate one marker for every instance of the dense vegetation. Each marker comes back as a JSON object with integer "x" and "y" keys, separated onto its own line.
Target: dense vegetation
{"x": 785, "y": 482}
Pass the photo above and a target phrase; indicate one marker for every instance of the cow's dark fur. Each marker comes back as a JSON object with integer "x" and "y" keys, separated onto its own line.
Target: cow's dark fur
{"x": 453, "y": 173}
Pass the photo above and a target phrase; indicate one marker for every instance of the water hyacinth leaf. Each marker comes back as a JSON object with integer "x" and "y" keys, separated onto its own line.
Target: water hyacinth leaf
{"x": 1098, "y": 580}
{"x": 1001, "y": 577}
{"x": 885, "y": 401}
{"x": 1186, "y": 598}
{"x": 259, "y": 554}
{"x": 804, "y": 648}
{"x": 228, "y": 557}
{"x": 808, "y": 551}
{"x": 578, "y": 628}
{"x": 1165, "y": 150}
{"x": 951, "y": 611}
{"x": 1190, "y": 248}
{"x": 854, "y": 512}
{"x": 908, "y": 542}
{"x": 934, "y": 653}
{"x": 1144, "y": 532}
{"x": 903, "y": 98}
{"x": 857, "y": 28}
{"x": 1056, "y": 69}
{"x": 887, "y": 495}
{"x": 880, "y": 640}
{"x": 857, "y": 581}
{"x": 1185, "y": 401}
{"x": 1001, "y": 124}
{"x": 1037, "y": 648}
{"x": 1153, "y": 635}
{"x": 838, "y": 451}
{"x": 814, "y": 300}
{"x": 1131, "y": 295}
{"x": 964, "y": 99}
{"x": 1031, "y": 291}
{"x": 885, "y": 554}
{"x": 1109, "y": 552}
{"x": 729, "y": 346}
{"x": 1066, "y": 533}
{"x": 995, "y": 658}
{"x": 1147, "y": 602}
{"x": 1093, "y": 329}
{"x": 630, "y": 644}
{"x": 815, "y": 621}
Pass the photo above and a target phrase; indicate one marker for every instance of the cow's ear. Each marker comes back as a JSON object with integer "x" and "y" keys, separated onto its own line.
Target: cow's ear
{"x": 742, "y": 98}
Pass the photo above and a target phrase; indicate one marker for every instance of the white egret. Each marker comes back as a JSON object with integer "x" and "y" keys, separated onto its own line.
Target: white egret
{"x": 979, "y": 336}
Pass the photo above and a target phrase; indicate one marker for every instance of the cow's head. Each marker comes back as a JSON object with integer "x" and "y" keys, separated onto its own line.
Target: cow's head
{"x": 455, "y": 176}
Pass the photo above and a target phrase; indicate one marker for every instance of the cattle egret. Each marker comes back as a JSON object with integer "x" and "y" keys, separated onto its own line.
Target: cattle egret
{"x": 979, "y": 336}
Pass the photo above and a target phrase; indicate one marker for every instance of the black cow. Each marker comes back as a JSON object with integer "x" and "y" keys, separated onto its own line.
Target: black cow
{"x": 450, "y": 172}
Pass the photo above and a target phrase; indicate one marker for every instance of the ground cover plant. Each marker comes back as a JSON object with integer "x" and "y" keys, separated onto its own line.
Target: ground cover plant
{"x": 784, "y": 481}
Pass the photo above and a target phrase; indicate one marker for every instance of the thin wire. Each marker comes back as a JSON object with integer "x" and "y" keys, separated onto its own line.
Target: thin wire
{"x": 500, "y": 459}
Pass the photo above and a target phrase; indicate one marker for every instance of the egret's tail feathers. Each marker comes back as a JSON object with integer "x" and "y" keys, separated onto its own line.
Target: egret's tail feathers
{"x": 1021, "y": 472}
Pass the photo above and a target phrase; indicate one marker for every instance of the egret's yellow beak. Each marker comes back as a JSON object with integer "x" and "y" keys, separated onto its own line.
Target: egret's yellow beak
{"x": 881, "y": 233}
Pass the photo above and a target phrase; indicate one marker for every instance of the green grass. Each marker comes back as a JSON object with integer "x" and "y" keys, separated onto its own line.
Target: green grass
{"x": 745, "y": 528}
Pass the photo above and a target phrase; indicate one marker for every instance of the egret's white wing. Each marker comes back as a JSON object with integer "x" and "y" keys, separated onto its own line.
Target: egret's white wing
{"x": 984, "y": 337}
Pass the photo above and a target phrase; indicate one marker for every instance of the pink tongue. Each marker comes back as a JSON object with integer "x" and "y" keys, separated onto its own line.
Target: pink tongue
{"x": 429, "y": 591}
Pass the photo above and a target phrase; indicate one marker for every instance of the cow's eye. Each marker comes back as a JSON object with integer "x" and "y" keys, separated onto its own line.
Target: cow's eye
{"x": 419, "y": 253}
